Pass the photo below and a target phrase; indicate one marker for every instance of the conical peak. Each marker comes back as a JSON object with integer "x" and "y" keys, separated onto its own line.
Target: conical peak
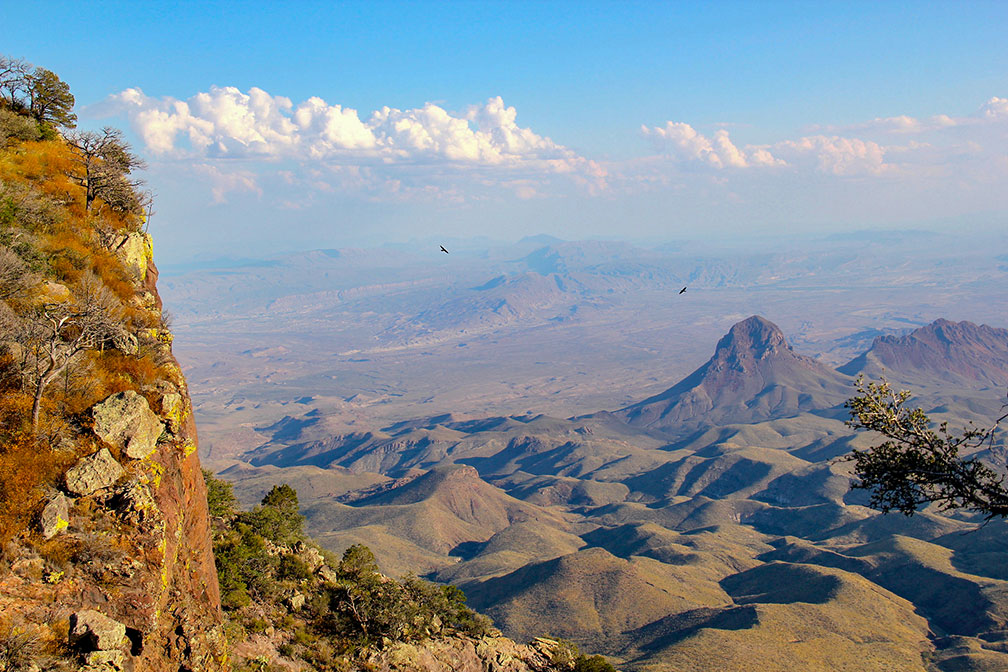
{"x": 755, "y": 337}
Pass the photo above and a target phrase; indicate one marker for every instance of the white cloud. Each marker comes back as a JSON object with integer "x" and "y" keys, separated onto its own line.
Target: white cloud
{"x": 225, "y": 122}
{"x": 995, "y": 109}
{"x": 836, "y": 155}
{"x": 683, "y": 142}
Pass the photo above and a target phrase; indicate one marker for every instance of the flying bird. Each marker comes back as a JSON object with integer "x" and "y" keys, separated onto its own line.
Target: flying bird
{"x": 682, "y": 290}
{"x": 444, "y": 250}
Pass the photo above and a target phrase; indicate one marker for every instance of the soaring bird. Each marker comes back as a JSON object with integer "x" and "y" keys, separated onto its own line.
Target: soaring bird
{"x": 444, "y": 250}
{"x": 680, "y": 291}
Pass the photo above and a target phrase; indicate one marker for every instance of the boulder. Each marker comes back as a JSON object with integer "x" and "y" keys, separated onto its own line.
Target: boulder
{"x": 53, "y": 292}
{"x": 135, "y": 251}
{"x": 308, "y": 555}
{"x": 295, "y": 600}
{"x": 125, "y": 420}
{"x": 93, "y": 473}
{"x": 92, "y": 630}
{"x": 55, "y": 515}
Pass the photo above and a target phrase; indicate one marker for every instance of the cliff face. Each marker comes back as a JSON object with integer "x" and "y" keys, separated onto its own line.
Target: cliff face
{"x": 188, "y": 617}
{"x": 118, "y": 572}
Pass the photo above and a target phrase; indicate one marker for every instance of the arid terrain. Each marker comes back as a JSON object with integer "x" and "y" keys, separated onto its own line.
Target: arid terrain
{"x": 587, "y": 451}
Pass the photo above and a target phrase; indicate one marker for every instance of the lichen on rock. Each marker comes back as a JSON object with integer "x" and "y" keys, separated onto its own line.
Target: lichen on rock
{"x": 55, "y": 516}
{"x": 91, "y": 630}
{"x": 126, "y": 421}
{"x": 93, "y": 473}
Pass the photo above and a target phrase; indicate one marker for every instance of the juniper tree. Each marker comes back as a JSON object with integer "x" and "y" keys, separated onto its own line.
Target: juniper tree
{"x": 916, "y": 464}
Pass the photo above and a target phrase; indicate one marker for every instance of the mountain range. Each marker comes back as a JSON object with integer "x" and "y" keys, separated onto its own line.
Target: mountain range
{"x": 705, "y": 527}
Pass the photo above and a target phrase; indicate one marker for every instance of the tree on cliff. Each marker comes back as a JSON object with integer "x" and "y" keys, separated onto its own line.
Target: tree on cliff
{"x": 14, "y": 81}
{"x": 916, "y": 465}
{"x": 103, "y": 162}
{"x": 50, "y": 100}
{"x": 51, "y": 335}
{"x": 36, "y": 91}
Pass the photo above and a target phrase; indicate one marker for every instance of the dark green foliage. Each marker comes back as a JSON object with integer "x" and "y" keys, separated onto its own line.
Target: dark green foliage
{"x": 220, "y": 496}
{"x": 281, "y": 497}
{"x": 277, "y": 518}
{"x": 916, "y": 465}
{"x": 293, "y": 568}
{"x": 244, "y": 568}
{"x": 566, "y": 656}
{"x": 50, "y": 100}
{"x": 592, "y": 664}
{"x": 260, "y": 565}
{"x": 367, "y": 608}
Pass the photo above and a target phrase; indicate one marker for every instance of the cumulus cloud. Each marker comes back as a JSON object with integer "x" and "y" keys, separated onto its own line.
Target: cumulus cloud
{"x": 226, "y": 122}
{"x": 682, "y": 141}
{"x": 995, "y": 109}
{"x": 837, "y": 155}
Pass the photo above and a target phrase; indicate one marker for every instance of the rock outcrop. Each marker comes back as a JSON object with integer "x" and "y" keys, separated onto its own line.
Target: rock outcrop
{"x": 126, "y": 421}
{"x": 129, "y": 567}
{"x": 467, "y": 654}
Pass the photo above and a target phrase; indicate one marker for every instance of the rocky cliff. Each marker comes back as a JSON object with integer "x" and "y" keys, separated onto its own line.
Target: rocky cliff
{"x": 106, "y": 560}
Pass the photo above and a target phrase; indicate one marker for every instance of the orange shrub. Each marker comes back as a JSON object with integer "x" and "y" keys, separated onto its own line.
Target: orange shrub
{"x": 25, "y": 466}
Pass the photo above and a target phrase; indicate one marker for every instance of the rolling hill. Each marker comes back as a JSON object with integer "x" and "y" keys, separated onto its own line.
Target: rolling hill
{"x": 709, "y": 526}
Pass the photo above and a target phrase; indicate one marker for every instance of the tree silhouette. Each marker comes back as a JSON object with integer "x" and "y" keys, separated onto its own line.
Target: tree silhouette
{"x": 917, "y": 465}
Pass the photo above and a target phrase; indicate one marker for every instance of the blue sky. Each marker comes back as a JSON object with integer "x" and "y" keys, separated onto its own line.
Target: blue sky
{"x": 578, "y": 119}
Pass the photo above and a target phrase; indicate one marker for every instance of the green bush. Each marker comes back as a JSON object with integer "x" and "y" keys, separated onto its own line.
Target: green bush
{"x": 277, "y": 518}
{"x": 16, "y": 128}
{"x": 244, "y": 568}
{"x": 592, "y": 664}
{"x": 220, "y": 496}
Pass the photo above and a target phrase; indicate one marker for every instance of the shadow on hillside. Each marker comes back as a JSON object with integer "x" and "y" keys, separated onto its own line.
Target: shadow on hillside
{"x": 673, "y": 629}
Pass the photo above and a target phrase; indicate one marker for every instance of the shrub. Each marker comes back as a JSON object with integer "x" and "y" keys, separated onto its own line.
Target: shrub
{"x": 20, "y": 650}
{"x": 277, "y": 518}
{"x": 16, "y": 128}
{"x": 244, "y": 568}
{"x": 220, "y": 496}
{"x": 592, "y": 664}
{"x": 26, "y": 465}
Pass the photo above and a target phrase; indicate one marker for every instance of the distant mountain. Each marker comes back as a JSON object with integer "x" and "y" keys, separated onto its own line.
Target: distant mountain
{"x": 941, "y": 352}
{"x": 754, "y": 375}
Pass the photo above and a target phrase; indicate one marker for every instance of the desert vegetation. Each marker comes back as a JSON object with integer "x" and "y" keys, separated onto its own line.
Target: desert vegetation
{"x": 918, "y": 464}
{"x": 74, "y": 327}
{"x": 329, "y": 612}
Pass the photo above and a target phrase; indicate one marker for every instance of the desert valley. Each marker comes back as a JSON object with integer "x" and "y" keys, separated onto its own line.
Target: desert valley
{"x": 656, "y": 476}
